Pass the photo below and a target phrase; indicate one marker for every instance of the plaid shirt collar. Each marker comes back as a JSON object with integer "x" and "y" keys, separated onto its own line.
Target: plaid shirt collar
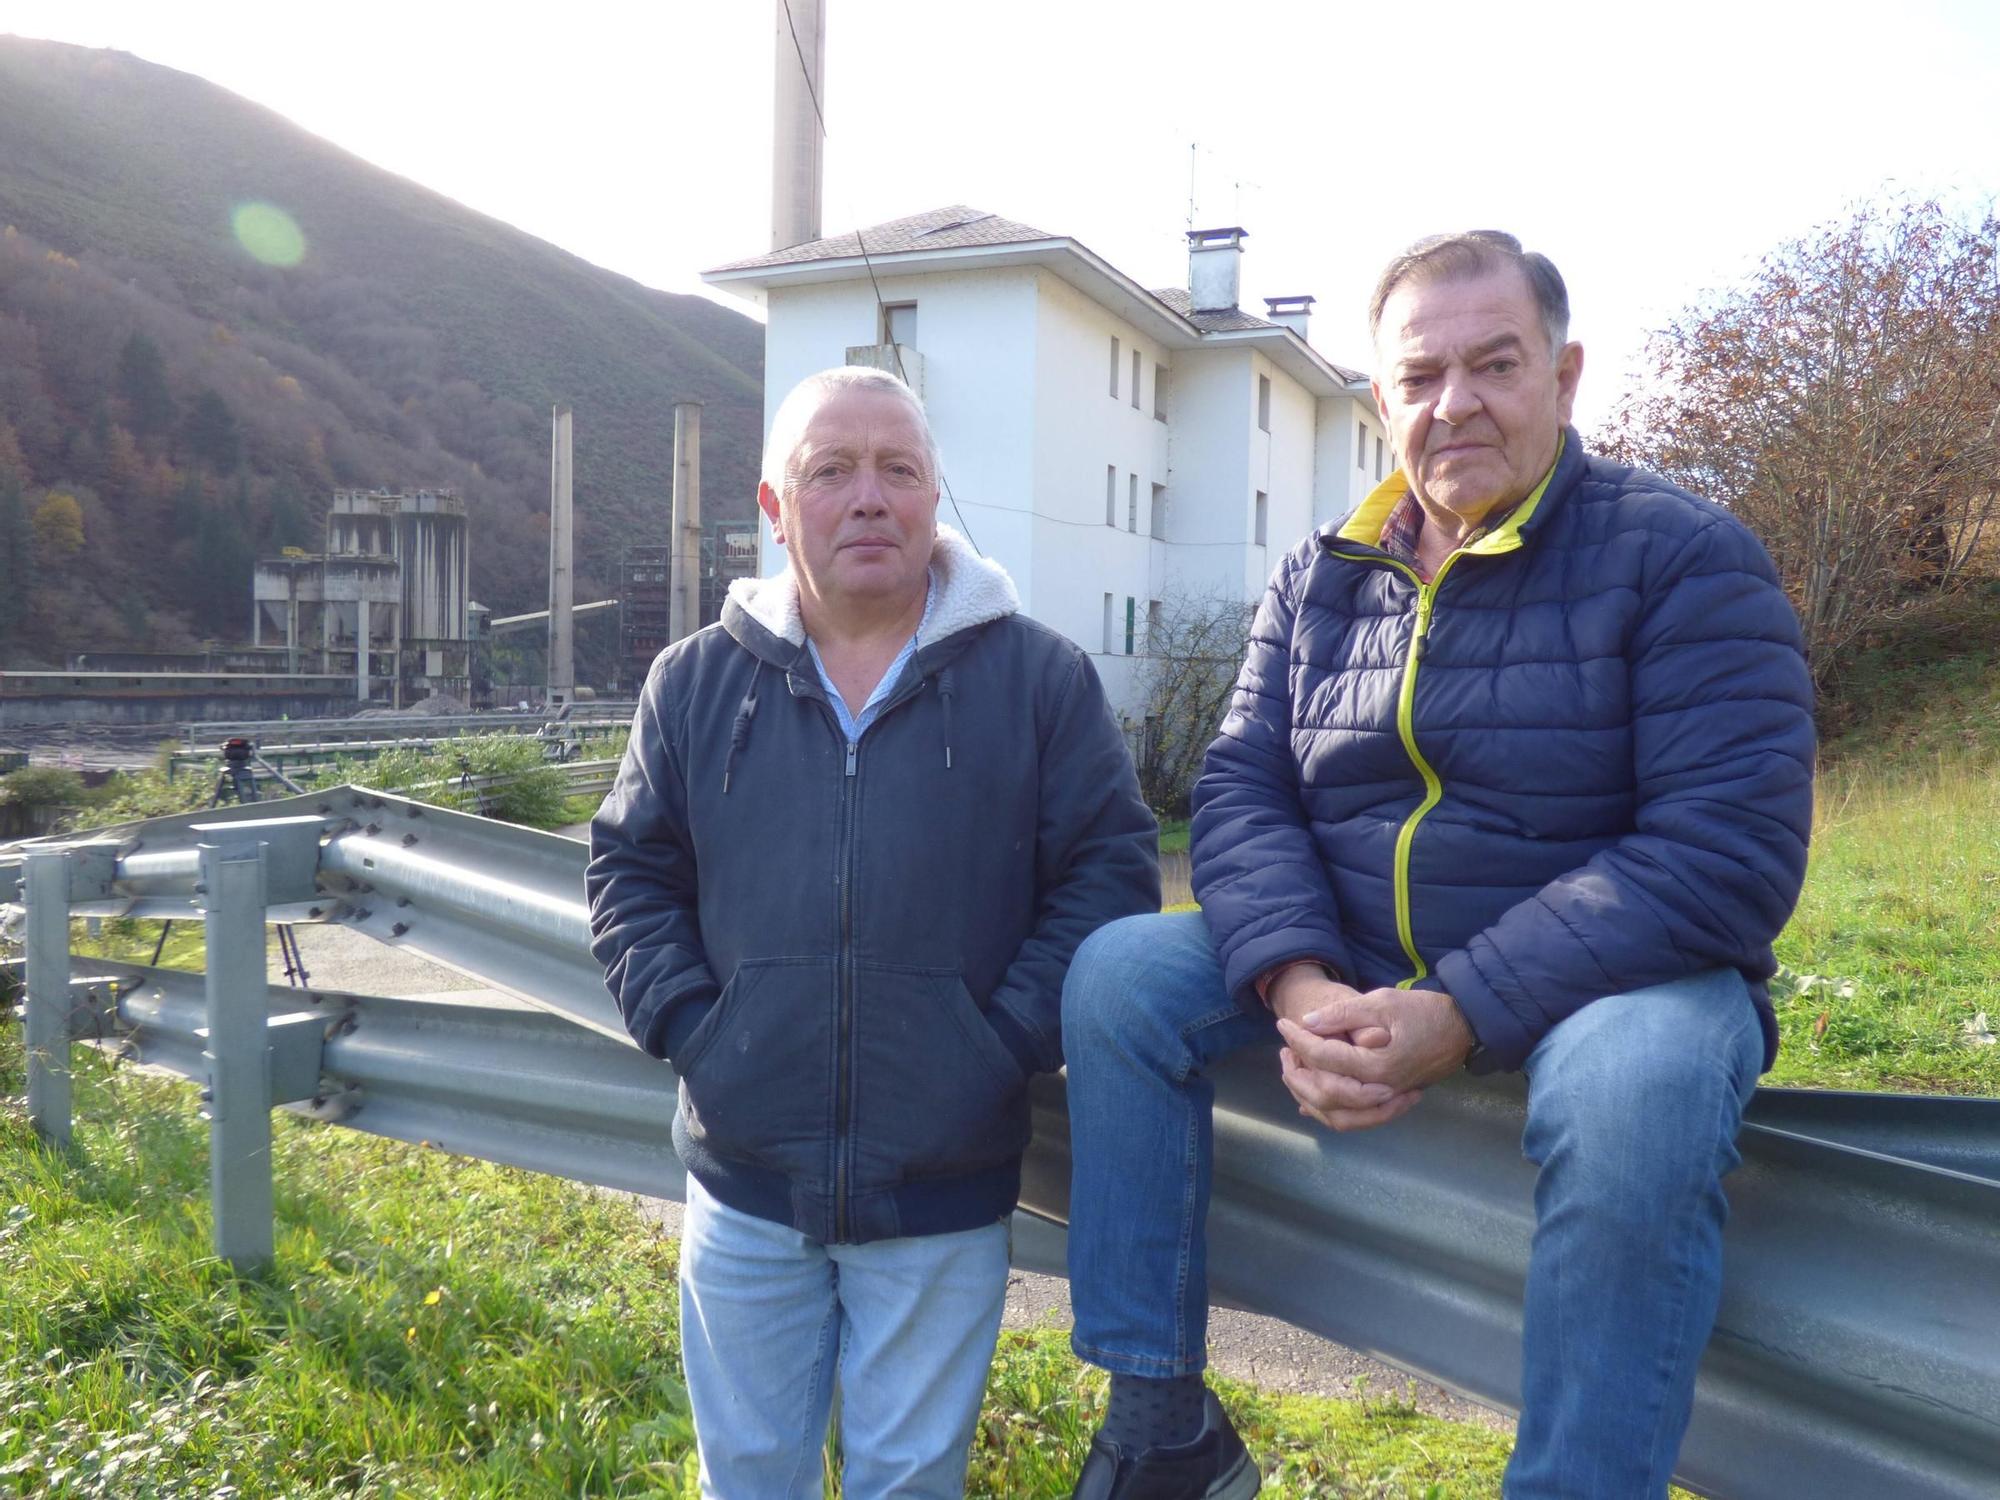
{"x": 1406, "y": 523}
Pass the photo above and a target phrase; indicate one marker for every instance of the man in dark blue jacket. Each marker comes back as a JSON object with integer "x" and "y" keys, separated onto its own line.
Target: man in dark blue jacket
{"x": 1517, "y": 775}
{"x": 860, "y": 829}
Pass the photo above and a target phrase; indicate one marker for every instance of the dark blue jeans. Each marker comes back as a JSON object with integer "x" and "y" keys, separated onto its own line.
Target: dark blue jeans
{"x": 1633, "y": 1109}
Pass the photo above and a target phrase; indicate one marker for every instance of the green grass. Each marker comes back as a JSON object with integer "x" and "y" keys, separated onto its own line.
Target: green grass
{"x": 1892, "y": 957}
{"x": 441, "y": 1327}
{"x": 1174, "y": 835}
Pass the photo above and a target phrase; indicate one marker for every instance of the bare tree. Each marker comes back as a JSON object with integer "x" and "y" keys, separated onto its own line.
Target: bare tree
{"x": 1194, "y": 648}
{"x": 1845, "y": 401}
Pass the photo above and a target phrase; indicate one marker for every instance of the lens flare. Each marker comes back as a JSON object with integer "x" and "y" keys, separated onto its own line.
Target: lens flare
{"x": 268, "y": 234}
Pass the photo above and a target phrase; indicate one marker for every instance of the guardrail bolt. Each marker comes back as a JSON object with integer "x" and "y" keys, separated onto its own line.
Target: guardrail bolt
{"x": 409, "y": 839}
{"x": 399, "y": 929}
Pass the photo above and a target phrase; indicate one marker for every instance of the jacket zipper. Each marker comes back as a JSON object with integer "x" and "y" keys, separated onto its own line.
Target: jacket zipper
{"x": 844, "y": 1073}
{"x": 843, "y": 1128}
{"x": 1406, "y": 730}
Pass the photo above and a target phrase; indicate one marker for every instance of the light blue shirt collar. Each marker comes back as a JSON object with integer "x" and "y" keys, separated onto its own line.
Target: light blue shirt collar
{"x": 853, "y": 725}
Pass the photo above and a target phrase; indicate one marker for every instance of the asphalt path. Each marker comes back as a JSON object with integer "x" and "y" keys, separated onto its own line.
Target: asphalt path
{"x": 1263, "y": 1351}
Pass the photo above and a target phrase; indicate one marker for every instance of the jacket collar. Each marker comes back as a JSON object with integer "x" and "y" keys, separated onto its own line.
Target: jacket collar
{"x": 967, "y": 590}
{"x": 1365, "y": 524}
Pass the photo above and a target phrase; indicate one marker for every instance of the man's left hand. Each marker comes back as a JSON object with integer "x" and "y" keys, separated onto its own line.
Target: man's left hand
{"x": 1427, "y": 1040}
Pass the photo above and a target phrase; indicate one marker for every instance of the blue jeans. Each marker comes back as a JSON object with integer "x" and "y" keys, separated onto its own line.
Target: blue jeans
{"x": 770, "y": 1320}
{"x": 1633, "y": 1109}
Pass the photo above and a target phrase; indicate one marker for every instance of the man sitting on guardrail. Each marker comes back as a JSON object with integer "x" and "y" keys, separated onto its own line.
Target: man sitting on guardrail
{"x": 860, "y": 828}
{"x": 1517, "y": 775}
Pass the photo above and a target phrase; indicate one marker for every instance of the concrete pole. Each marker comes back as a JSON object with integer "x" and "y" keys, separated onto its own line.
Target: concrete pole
{"x": 238, "y": 1054}
{"x": 47, "y": 883}
{"x": 562, "y": 586}
{"x": 684, "y": 570}
{"x": 361, "y": 648}
{"x": 796, "y": 164}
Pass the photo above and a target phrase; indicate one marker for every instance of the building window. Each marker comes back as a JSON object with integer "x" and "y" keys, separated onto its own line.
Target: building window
{"x": 1131, "y": 621}
{"x": 1378, "y": 460}
{"x": 1114, "y": 367}
{"x": 1264, "y": 402}
{"x": 1159, "y": 393}
{"x": 1111, "y": 494}
{"x": 899, "y": 324}
{"x": 1132, "y": 504}
{"x": 1155, "y": 627}
{"x": 1109, "y": 639}
{"x": 1135, "y": 380}
{"x": 1263, "y": 518}
{"x": 1361, "y": 446}
{"x": 1159, "y": 515}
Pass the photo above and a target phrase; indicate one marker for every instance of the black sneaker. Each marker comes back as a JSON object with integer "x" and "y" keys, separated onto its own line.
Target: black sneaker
{"x": 1214, "y": 1466}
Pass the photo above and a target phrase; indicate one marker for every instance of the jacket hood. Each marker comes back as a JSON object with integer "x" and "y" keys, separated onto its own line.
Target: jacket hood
{"x": 971, "y": 590}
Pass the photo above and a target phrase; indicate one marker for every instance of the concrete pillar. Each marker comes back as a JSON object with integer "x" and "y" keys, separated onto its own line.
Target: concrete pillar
{"x": 361, "y": 648}
{"x": 47, "y": 891}
{"x": 562, "y": 583}
{"x": 798, "y": 49}
{"x": 292, "y": 630}
{"x": 238, "y": 1053}
{"x": 684, "y": 570}
{"x": 396, "y": 656}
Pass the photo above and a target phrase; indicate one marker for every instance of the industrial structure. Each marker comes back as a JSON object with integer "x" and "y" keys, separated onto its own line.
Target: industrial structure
{"x": 646, "y": 587}
{"x": 387, "y": 604}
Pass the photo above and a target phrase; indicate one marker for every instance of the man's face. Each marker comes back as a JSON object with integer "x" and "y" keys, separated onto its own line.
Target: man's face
{"x": 859, "y": 512}
{"x": 1474, "y": 398}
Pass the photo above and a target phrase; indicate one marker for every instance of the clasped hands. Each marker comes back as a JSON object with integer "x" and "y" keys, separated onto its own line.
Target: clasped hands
{"x": 1356, "y": 1059}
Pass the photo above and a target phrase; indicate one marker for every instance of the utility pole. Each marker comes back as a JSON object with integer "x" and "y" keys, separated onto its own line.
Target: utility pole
{"x": 562, "y": 583}
{"x": 796, "y": 138}
{"x": 684, "y": 571}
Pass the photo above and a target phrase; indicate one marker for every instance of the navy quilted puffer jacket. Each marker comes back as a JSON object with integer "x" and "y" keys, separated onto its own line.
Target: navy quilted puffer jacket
{"x": 1578, "y": 762}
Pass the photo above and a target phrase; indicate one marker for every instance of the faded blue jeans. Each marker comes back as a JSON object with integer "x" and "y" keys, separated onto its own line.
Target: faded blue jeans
{"x": 1633, "y": 1109}
{"x": 771, "y": 1321}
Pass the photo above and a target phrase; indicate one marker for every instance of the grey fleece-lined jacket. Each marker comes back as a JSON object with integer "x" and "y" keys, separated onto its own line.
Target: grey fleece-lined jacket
{"x": 854, "y": 957}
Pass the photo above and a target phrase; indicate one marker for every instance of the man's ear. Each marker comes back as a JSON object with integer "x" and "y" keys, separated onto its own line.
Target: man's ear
{"x": 767, "y": 501}
{"x": 1569, "y": 371}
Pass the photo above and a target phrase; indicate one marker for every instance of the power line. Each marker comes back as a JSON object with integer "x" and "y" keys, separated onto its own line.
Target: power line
{"x": 881, "y": 307}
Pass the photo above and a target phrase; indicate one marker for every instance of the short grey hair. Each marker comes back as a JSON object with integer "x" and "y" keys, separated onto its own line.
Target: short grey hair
{"x": 1444, "y": 257}
{"x": 795, "y": 414}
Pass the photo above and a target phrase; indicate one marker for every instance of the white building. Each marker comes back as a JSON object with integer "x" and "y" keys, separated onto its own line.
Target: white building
{"x": 1112, "y": 447}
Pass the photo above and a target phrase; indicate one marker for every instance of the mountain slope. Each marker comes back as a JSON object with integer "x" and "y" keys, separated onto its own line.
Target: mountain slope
{"x": 415, "y": 342}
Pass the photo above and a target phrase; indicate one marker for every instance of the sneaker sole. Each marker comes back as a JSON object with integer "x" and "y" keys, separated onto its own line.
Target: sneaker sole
{"x": 1240, "y": 1483}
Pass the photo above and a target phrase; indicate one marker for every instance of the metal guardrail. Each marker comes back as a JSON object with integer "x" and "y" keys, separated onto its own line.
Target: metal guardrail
{"x": 377, "y": 730}
{"x": 1858, "y": 1347}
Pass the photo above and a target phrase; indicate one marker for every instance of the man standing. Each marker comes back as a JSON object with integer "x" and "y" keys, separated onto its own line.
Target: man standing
{"x": 1517, "y": 775}
{"x": 860, "y": 829}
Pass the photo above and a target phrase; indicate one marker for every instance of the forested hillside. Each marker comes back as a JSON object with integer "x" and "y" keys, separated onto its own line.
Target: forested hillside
{"x": 209, "y": 319}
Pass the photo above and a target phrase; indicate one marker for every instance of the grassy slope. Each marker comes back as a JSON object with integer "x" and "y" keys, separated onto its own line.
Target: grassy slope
{"x": 1895, "y": 949}
{"x": 103, "y": 153}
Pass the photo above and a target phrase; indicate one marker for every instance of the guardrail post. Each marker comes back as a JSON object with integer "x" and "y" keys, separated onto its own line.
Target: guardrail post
{"x": 46, "y": 886}
{"x": 238, "y": 1055}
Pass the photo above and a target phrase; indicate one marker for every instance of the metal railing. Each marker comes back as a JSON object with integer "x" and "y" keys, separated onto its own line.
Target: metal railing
{"x": 1858, "y": 1347}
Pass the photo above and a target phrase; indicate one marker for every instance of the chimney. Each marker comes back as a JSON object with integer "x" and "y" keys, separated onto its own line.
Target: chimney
{"x": 800, "y": 95}
{"x": 1215, "y": 268}
{"x": 1290, "y": 312}
{"x": 562, "y": 596}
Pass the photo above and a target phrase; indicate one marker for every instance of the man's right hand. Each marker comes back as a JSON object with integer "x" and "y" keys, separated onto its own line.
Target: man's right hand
{"x": 1335, "y": 1100}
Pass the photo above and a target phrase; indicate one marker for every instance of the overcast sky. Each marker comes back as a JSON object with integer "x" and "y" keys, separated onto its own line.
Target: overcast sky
{"x": 1652, "y": 157}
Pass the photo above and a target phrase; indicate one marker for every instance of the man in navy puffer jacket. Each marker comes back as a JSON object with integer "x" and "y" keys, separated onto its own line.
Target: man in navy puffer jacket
{"x": 1517, "y": 775}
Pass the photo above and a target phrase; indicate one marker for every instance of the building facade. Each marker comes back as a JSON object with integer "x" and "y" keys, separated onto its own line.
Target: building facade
{"x": 1120, "y": 451}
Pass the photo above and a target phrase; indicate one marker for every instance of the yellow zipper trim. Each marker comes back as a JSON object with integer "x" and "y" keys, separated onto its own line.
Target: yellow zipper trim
{"x": 1406, "y": 728}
